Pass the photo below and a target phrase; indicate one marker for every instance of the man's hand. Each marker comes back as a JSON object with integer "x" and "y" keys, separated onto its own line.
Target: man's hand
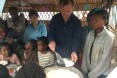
{"x": 52, "y": 45}
{"x": 74, "y": 56}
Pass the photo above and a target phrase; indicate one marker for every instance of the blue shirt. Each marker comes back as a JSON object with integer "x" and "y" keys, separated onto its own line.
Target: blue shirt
{"x": 65, "y": 34}
{"x": 34, "y": 33}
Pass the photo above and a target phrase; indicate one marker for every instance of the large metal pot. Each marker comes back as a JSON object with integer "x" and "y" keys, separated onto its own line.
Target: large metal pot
{"x": 69, "y": 68}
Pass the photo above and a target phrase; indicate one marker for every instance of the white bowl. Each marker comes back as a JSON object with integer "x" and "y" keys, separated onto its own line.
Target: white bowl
{"x": 4, "y": 62}
{"x": 68, "y": 62}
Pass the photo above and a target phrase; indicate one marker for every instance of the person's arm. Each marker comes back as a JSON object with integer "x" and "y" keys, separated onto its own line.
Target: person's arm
{"x": 51, "y": 30}
{"x": 76, "y": 40}
{"x": 26, "y": 34}
{"x": 1, "y": 57}
{"x": 16, "y": 59}
{"x": 52, "y": 58}
{"x": 51, "y": 35}
{"x": 76, "y": 36}
{"x": 105, "y": 61}
{"x": 84, "y": 58}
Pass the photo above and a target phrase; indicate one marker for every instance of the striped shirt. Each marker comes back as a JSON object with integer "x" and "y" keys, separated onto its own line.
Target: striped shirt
{"x": 46, "y": 59}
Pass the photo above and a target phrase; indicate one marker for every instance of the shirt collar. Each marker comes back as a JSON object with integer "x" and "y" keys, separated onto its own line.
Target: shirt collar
{"x": 103, "y": 31}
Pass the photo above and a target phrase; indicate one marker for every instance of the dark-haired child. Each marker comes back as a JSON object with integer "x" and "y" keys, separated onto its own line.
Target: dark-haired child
{"x": 97, "y": 51}
{"x": 45, "y": 56}
{"x": 36, "y": 28}
{"x": 4, "y": 72}
{"x": 86, "y": 29}
{"x": 5, "y": 54}
{"x": 30, "y": 53}
{"x": 31, "y": 70}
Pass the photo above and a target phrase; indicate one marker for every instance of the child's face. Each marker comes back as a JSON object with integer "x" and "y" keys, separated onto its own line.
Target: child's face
{"x": 98, "y": 22}
{"x": 4, "y": 51}
{"x": 27, "y": 45}
{"x": 40, "y": 45}
{"x": 33, "y": 18}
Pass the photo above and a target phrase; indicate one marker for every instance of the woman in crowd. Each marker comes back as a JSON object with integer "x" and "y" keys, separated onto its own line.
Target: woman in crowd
{"x": 36, "y": 28}
{"x": 97, "y": 51}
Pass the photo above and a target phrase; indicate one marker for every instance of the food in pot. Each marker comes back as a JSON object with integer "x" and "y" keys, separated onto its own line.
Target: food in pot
{"x": 62, "y": 73}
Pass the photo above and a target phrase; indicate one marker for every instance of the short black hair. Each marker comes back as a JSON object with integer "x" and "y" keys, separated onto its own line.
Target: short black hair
{"x": 30, "y": 70}
{"x": 44, "y": 40}
{"x": 4, "y": 72}
{"x": 103, "y": 13}
{"x": 13, "y": 9}
{"x": 33, "y": 12}
{"x": 7, "y": 46}
{"x": 65, "y": 2}
{"x": 91, "y": 13}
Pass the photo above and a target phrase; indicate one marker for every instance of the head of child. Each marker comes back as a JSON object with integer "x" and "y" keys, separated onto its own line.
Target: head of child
{"x": 4, "y": 72}
{"x": 42, "y": 44}
{"x": 5, "y": 49}
{"x": 31, "y": 45}
{"x": 90, "y": 16}
{"x": 30, "y": 70}
{"x": 33, "y": 15}
{"x": 100, "y": 19}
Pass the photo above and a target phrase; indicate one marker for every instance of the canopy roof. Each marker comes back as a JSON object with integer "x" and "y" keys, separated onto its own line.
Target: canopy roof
{"x": 51, "y": 5}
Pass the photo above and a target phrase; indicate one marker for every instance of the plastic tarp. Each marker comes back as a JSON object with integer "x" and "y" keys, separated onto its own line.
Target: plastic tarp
{"x": 2, "y": 2}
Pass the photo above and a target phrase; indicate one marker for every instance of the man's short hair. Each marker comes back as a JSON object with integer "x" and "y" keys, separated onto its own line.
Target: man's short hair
{"x": 65, "y": 2}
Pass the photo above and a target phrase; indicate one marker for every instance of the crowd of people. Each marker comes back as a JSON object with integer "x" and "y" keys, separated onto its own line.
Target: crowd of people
{"x": 32, "y": 45}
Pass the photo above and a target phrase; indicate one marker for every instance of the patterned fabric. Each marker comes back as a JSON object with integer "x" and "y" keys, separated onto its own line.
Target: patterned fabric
{"x": 18, "y": 25}
{"x": 33, "y": 56}
{"x": 46, "y": 59}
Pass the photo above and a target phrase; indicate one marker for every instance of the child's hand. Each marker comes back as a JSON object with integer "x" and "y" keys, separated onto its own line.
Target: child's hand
{"x": 1, "y": 57}
{"x": 7, "y": 58}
